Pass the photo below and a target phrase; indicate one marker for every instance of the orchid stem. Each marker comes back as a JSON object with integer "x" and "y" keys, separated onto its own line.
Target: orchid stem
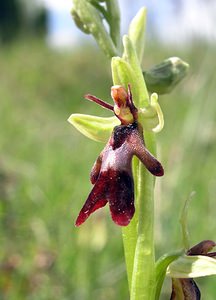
{"x": 143, "y": 278}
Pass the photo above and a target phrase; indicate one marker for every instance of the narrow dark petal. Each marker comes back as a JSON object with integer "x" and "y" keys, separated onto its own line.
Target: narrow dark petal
{"x": 121, "y": 197}
{"x": 202, "y": 248}
{"x": 95, "y": 200}
{"x": 99, "y": 101}
{"x": 151, "y": 163}
{"x": 131, "y": 103}
{"x": 185, "y": 289}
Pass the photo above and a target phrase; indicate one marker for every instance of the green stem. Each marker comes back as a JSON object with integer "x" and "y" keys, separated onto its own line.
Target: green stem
{"x": 101, "y": 9}
{"x": 114, "y": 22}
{"x": 138, "y": 237}
{"x": 89, "y": 16}
{"x": 143, "y": 278}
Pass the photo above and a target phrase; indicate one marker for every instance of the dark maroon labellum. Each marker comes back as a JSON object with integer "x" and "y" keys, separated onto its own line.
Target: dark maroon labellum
{"x": 112, "y": 171}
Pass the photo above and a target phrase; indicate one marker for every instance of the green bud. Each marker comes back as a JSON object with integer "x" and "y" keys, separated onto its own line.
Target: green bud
{"x": 78, "y": 22}
{"x": 90, "y": 19}
{"x": 192, "y": 266}
{"x": 162, "y": 78}
{"x": 96, "y": 128}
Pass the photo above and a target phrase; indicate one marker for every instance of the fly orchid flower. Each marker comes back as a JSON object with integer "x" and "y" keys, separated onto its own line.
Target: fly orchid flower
{"x": 111, "y": 174}
{"x": 186, "y": 288}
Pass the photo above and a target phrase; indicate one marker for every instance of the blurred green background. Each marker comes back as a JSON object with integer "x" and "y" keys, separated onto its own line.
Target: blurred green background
{"x": 45, "y": 165}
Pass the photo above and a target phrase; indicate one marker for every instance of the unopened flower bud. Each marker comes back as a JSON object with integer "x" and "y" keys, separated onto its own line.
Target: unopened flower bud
{"x": 163, "y": 77}
{"x": 79, "y": 22}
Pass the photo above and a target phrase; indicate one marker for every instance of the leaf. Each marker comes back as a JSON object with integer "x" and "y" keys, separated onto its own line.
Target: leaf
{"x": 96, "y": 128}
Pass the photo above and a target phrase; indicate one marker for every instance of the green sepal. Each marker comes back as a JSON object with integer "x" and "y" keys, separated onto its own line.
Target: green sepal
{"x": 162, "y": 78}
{"x": 96, "y": 128}
{"x": 161, "y": 268}
{"x": 92, "y": 22}
{"x": 192, "y": 267}
{"x": 137, "y": 32}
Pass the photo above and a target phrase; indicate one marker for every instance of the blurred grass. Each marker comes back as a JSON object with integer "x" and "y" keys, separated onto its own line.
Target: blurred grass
{"x": 45, "y": 165}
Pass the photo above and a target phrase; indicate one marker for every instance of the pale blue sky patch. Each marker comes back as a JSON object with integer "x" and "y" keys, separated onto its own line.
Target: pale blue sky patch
{"x": 169, "y": 21}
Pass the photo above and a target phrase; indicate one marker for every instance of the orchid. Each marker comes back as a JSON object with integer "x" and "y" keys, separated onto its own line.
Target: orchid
{"x": 122, "y": 173}
{"x": 112, "y": 171}
{"x": 186, "y": 288}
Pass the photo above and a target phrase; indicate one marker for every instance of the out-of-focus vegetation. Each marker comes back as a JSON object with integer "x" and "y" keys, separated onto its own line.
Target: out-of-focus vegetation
{"x": 45, "y": 165}
{"x": 21, "y": 17}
